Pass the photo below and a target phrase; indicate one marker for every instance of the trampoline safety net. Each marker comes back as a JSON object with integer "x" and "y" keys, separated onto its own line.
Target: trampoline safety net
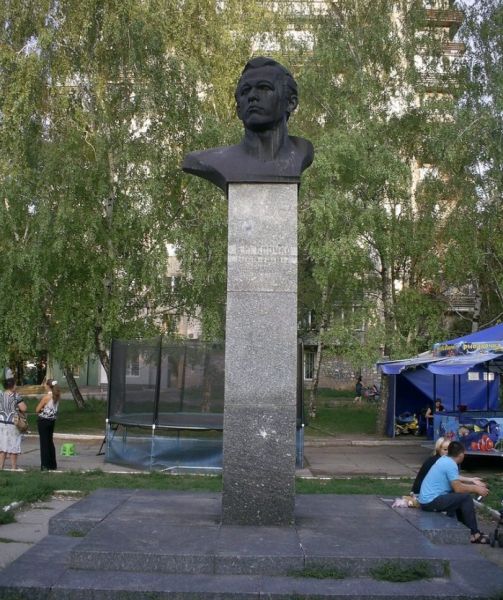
{"x": 166, "y": 404}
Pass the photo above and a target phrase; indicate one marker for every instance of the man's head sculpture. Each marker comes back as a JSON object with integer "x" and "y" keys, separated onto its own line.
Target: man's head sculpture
{"x": 266, "y": 95}
{"x": 285, "y": 84}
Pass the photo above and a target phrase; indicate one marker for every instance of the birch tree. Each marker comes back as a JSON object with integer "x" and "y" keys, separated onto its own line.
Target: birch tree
{"x": 100, "y": 100}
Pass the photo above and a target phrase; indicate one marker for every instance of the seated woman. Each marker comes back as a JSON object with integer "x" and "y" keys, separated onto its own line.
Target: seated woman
{"x": 441, "y": 447}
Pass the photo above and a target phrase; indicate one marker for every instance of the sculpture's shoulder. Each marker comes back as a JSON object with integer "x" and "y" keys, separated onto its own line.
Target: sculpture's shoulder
{"x": 234, "y": 164}
{"x": 210, "y": 164}
{"x": 304, "y": 149}
{"x": 208, "y": 157}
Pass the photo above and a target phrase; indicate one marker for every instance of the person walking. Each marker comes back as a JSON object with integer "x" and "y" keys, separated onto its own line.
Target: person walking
{"x": 10, "y": 436}
{"x": 358, "y": 390}
{"x": 47, "y": 409}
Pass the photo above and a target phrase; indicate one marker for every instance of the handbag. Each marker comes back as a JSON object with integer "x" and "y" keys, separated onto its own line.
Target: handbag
{"x": 20, "y": 421}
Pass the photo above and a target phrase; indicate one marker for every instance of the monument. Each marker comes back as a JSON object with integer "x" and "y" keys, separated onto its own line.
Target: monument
{"x": 260, "y": 176}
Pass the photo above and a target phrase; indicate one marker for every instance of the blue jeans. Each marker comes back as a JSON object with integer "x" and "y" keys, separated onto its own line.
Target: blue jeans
{"x": 455, "y": 505}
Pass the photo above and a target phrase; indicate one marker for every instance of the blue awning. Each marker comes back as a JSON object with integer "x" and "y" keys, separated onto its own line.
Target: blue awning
{"x": 395, "y": 367}
{"x": 458, "y": 365}
{"x": 439, "y": 365}
{"x": 488, "y": 334}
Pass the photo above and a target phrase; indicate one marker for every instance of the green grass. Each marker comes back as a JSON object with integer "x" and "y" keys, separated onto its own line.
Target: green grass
{"x": 320, "y": 572}
{"x": 495, "y": 485}
{"x": 6, "y": 517}
{"x": 396, "y": 572}
{"x": 33, "y": 485}
{"x": 343, "y": 420}
{"x": 324, "y": 393}
{"x": 356, "y": 485}
{"x": 90, "y": 420}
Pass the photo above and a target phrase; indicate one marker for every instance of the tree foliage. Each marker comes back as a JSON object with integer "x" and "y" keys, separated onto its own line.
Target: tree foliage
{"x": 101, "y": 99}
{"x": 99, "y": 102}
{"x": 480, "y": 131}
{"x": 372, "y": 229}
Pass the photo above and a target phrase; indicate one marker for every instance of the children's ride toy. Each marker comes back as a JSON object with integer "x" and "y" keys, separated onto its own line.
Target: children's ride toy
{"x": 496, "y": 538}
{"x": 406, "y": 423}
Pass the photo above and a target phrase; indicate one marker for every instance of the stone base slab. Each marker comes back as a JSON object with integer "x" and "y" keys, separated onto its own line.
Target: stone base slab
{"x": 172, "y": 545}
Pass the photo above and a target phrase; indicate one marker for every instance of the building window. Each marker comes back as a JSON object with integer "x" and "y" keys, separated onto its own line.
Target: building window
{"x": 309, "y": 364}
{"x": 488, "y": 376}
{"x": 473, "y": 376}
{"x": 133, "y": 365}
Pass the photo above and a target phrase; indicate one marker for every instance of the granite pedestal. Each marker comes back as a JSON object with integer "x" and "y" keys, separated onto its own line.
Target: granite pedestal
{"x": 260, "y": 355}
{"x": 152, "y": 545}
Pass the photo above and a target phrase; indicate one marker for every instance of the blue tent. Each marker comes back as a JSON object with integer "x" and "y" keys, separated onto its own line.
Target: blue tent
{"x": 463, "y": 372}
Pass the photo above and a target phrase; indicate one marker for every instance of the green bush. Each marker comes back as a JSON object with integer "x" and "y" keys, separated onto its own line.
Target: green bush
{"x": 6, "y": 517}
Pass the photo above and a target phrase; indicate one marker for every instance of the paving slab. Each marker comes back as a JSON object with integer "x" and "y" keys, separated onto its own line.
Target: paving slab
{"x": 339, "y": 457}
{"x": 82, "y": 516}
{"x": 31, "y": 526}
{"x": 10, "y": 550}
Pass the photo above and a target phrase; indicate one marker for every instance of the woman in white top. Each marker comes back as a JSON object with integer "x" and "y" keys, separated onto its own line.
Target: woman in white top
{"x": 10, "y": 436}
{"x": 47, "y": 409}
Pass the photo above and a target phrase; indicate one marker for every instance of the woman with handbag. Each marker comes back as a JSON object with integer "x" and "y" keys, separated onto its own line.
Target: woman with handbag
{"x": 11, "y": 405}
{"x": 47, "y": 409}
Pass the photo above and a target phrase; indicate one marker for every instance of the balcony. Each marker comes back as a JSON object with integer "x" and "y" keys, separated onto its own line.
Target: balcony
{"x": 462, "y": 304}
{"x": 437, "y": 83}
{"x": 453, "y": 48}
{"x": 450, "y": 18}
{"x": 461, "y": 300}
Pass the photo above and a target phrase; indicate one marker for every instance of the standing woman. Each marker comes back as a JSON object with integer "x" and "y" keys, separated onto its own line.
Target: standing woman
{"x": 47, "y": 410}
{"x": 10, "y": 436}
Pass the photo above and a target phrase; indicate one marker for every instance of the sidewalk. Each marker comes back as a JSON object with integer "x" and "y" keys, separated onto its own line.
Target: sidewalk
{"x": 324, "y": 457}
{"x": 86, "y": 456}
{"x": 336, "y": 457}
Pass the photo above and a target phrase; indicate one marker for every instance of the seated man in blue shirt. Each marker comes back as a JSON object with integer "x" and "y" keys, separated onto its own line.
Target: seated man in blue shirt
{"x": 443, "y": 490}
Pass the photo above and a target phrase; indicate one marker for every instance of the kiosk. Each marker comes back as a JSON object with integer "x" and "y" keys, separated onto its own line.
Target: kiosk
{"x": 465, "y": 374}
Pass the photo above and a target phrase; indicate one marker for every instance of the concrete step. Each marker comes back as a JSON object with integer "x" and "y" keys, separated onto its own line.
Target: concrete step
{"x": 118, "y": 585}
{"x": 232, "y": 564}
{"x": 122, "y": 544}
{"x": 181, "y": 533}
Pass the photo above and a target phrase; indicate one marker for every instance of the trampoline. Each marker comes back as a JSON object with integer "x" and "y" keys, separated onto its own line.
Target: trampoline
{"x": 165, "y": 405}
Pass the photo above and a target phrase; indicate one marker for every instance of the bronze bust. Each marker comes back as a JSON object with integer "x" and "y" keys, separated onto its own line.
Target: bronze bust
{"x": 266, "y": 95}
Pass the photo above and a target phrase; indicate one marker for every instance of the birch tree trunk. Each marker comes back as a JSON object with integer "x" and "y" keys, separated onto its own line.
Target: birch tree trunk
{"x": 316, "y": 375}
{"x": 74, "y": 388}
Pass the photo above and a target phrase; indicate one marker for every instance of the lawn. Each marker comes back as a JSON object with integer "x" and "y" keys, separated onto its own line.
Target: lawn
{"x": 33, "y": 485}
{"x": 345, "y": 418}
{"x": 90, "y": 420}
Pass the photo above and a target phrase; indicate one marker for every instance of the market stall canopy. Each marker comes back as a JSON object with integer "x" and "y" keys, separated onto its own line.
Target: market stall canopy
{"x": 395, "y": 367}
{"x": 454, "y": 357}
{"x": 483, "y": 335}
{"x": 452, "y": 365}
{"x": 457, "y": 365}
